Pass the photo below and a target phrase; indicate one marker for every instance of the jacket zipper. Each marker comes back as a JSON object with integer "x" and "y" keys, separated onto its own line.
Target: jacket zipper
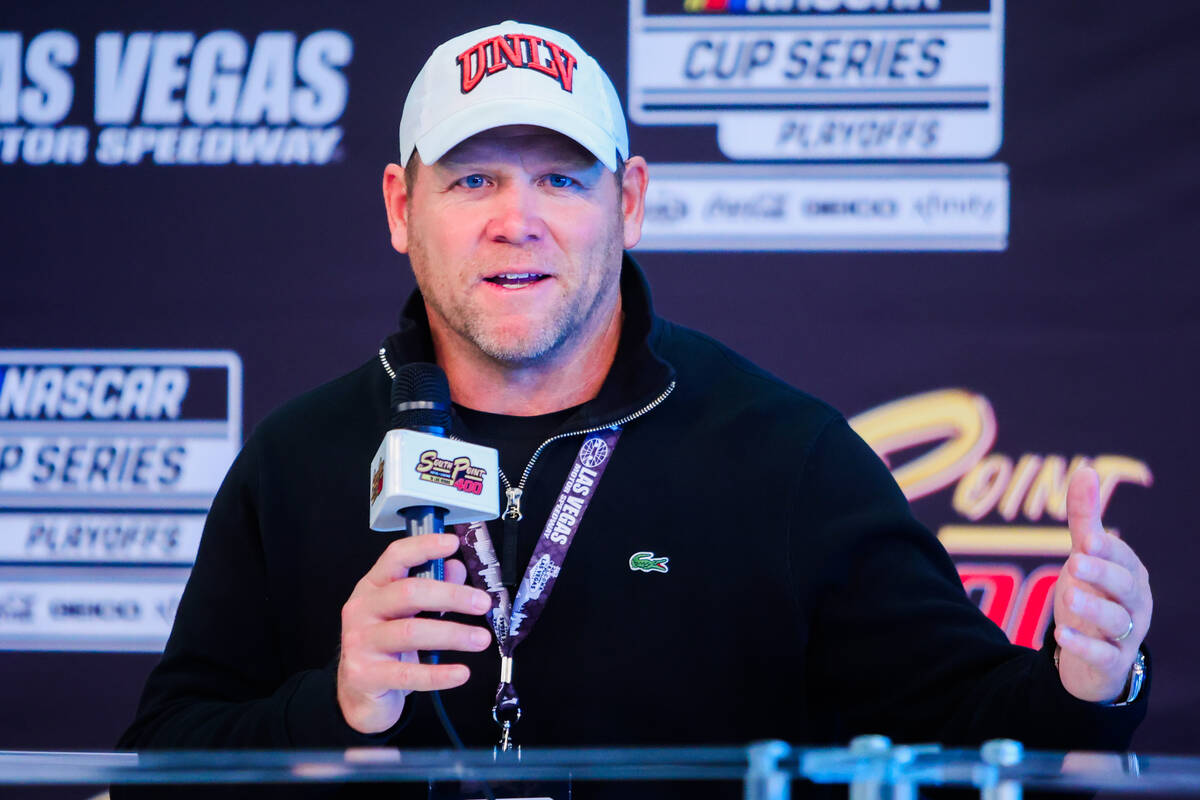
{"x": 512, "y": 510}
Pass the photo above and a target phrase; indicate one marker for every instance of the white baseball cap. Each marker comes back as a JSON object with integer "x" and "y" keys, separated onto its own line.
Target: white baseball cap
{"x": 512, "y": 74}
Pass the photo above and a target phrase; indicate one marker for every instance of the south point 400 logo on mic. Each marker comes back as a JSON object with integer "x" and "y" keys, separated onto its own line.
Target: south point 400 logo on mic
{"x": 416, "y": 467}
{"x": 172, "y": 97}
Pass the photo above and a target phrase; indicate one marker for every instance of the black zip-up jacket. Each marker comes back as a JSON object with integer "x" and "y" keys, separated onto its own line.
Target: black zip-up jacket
{"x": 803, "y": 601}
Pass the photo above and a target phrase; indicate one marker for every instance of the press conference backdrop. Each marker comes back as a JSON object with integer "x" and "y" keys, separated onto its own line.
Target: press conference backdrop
{"x": 970, "y": 227}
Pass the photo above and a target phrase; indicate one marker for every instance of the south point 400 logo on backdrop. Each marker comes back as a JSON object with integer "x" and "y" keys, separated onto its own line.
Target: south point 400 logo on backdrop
{"x": 172, "y": 97}
{"x": 1008, "y": 511}
{"x": 825, "y": 84}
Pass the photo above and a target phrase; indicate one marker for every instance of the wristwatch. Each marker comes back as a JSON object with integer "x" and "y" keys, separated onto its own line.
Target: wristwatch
{"x": 1137, "y": 676}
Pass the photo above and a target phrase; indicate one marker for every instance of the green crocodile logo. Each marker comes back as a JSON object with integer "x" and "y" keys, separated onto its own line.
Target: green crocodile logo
{"x": 648, "y": 562}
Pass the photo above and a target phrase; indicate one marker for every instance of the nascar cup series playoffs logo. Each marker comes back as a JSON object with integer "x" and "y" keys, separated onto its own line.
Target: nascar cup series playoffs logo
{"x": 823, "y": 79}
{"x": 173, "y": 97}
{"x": 834, "y": 81}
{"x": 109, "y": 460}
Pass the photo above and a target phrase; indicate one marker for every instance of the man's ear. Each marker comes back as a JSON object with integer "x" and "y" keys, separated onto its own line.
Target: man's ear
{"x": 395, "y": 201}
{"x": 633, "y": 198}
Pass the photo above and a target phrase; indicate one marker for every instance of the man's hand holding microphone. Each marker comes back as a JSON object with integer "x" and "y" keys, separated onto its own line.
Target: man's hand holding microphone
{"x": 381, "y": 632}
{"x": 419, "y": 482}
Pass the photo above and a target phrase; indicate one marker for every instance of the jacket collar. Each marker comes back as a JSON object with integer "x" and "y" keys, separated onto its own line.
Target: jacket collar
{"x": 638, "y": 374}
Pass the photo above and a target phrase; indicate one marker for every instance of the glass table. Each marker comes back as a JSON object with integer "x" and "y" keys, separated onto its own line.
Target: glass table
{"x": 872, "y": 766}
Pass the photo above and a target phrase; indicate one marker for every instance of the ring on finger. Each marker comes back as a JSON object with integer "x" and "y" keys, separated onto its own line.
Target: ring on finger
{"x": 1128, "y": 631}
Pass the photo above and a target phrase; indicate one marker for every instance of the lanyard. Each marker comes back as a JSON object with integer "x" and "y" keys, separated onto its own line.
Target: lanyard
{"x": 513, "y": 619}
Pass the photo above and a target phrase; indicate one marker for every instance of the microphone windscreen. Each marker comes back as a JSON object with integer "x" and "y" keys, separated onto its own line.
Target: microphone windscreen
{"x": 420, "y": 397}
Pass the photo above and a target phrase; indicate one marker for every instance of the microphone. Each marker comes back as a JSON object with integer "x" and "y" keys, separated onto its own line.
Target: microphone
{"x": 420, "y": 480}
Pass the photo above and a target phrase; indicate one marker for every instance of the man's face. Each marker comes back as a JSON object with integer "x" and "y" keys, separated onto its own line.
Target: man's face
{"x": 515, "y": 237}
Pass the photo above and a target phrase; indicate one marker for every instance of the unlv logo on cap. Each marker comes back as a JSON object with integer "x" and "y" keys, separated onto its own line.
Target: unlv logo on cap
{"x": 515, "y": 50}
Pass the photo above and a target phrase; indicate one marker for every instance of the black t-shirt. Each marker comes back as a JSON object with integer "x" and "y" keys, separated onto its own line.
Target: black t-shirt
{"x": 516, "y": 439}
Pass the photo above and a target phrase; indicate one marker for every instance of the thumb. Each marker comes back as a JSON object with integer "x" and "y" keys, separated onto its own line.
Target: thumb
{"x": 1083, "y": 507}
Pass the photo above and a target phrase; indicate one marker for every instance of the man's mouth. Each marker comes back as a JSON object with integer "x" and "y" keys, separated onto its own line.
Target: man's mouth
{"x": 516, "y": 280}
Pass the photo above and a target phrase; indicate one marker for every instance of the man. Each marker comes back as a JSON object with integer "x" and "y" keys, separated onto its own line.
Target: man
{"x": 747, "y": 570}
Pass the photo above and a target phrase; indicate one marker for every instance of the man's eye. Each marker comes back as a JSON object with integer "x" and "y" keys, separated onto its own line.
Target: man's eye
{"x": 473, "y": 182}
{"x": 561, "y": 181}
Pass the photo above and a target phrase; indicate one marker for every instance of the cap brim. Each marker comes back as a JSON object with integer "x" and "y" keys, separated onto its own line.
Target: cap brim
{"x": 526, "y": 111}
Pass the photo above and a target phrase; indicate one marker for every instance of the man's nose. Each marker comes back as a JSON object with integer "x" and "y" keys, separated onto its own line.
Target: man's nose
{"x": 516, "y": 216}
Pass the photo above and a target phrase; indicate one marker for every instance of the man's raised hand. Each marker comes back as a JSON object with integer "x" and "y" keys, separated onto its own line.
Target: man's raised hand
{"x": 381, "y": 633}
{"x": 1102, "y": 601}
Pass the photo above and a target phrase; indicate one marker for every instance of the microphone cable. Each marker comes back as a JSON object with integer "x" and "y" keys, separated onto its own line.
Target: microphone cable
{"x": 434, "y": 657}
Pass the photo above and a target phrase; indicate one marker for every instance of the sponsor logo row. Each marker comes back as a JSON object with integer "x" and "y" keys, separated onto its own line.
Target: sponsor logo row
{"x": 733, "y": 207}
{"x": 88, "y": 609}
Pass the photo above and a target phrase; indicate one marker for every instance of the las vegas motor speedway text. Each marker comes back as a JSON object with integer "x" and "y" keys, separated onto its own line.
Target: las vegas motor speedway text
{"x": 171, "y": 145}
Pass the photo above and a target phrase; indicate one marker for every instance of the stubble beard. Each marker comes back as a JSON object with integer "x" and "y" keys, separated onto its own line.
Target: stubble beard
{"x": 540, "y": 344}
